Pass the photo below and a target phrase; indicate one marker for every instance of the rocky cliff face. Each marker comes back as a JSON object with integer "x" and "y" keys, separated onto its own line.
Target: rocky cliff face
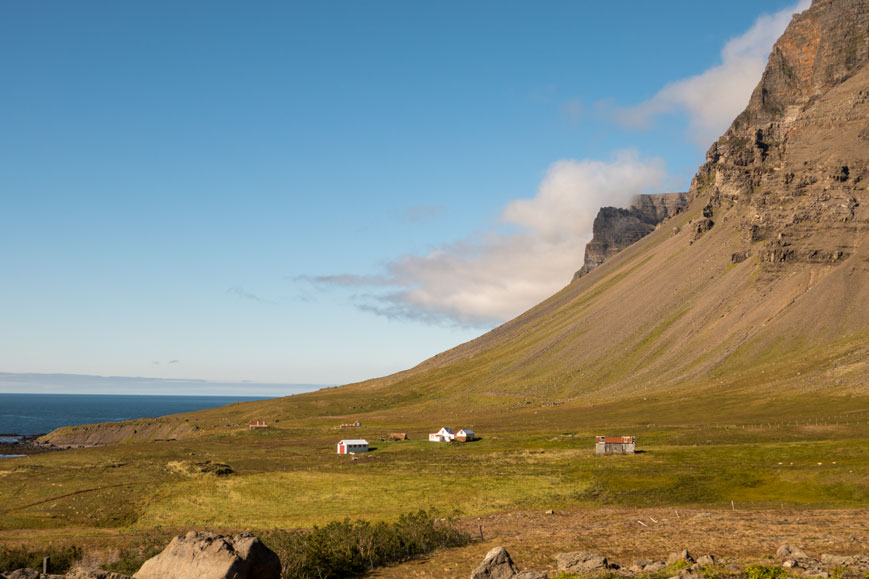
{"x": 615, "y": 229}
{"x": 792, "y": 168}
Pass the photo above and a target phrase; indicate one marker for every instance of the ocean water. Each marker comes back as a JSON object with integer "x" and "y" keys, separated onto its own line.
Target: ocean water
{"x": 41, "y": 413}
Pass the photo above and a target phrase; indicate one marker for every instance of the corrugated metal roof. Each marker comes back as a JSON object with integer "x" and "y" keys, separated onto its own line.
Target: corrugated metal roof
{"x": 353, "y": 441}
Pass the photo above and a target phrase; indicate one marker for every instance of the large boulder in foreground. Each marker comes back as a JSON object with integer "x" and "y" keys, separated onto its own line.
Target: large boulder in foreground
{"x": 212, "y": 556}
{"x": 496, "y": 565}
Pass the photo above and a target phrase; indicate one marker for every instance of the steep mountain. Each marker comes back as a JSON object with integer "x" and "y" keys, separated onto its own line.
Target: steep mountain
{"x": 758, "y": 289}
{"x": 615, "y": 228}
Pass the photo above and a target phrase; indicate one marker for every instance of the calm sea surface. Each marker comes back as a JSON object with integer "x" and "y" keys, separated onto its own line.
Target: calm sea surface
{"x": 41, "y": 413}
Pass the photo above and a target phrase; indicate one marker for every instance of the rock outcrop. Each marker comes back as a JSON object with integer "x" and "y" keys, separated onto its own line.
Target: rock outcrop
{"x": 499, "y": 565}
{"x": 141, "y": 429}
{"x": 582, "y": 562}
{"x": 496, "y": 565}
{"x": 791, "y": 168}
{"x": 615, "y": 228}
{"x": 212, "y": 556}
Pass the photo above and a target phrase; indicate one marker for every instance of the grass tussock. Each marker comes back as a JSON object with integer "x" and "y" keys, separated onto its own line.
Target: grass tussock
{"x": 352, "y": 548}
{"x": 132, "y": 557}
{"x": 61, "y": 558}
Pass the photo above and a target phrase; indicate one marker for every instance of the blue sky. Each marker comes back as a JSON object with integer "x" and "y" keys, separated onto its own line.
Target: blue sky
{"x": 326, "y": 192}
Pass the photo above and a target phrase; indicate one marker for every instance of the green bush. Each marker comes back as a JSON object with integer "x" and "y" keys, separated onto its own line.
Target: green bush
{"x": 62, "y": 558}
{"x": 352, "y": 548}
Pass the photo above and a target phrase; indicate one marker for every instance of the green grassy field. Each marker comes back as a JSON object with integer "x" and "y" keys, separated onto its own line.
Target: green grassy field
{"x": 289, "y": 476}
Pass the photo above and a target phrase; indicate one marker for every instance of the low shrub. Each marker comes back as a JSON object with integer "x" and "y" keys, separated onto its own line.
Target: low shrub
{"x": 352, "y": 548}
{"x": 62, "y": 558}
{"x": 132, "y": 557}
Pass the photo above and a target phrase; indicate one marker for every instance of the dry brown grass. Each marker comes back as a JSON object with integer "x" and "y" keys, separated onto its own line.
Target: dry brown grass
{"x": 533, "y": 538}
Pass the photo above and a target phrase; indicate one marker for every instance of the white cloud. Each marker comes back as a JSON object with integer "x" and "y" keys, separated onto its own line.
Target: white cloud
{"x": 713, "y": 98}
{"x": 493, "y": 276}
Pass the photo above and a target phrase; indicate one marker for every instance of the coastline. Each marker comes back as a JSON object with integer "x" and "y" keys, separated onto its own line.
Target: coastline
{"x": 24, "y": 444}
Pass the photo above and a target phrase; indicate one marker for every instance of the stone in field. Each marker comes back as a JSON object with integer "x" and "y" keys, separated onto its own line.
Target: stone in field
{"x": 580, "y": 562}
{"x": 496, "y": 565}
{"x": 788, "y": 552}
{"x": 684, "y": 555}
{"x": 212, "y": 556}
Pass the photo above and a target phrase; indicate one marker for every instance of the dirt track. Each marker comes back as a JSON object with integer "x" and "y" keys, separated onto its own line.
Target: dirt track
{"x": 533, "y": 538}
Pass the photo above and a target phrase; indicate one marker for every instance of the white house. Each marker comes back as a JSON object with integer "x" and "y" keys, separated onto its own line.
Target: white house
{"x": 465, "y": 434}
{"x": 445, "y": 434}
{"x": 352, "y": 446}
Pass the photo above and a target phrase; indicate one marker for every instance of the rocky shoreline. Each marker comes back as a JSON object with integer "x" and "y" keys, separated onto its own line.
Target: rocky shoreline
{"x": 25, "y": 444}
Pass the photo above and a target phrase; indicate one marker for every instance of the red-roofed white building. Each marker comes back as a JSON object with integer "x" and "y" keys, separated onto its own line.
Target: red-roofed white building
{"x": 352, "y": 446}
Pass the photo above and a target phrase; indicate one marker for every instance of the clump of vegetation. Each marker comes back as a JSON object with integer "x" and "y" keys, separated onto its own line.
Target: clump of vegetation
{"x": 352, "y": 548}
{"x": 714, "y": 572}
{"x": 132, "y": 558}
{"x": 763, "y": 572}
{"x": 62, "y": 558}
{"x": 678, "y": 565}
{"x": 206, "y": 468}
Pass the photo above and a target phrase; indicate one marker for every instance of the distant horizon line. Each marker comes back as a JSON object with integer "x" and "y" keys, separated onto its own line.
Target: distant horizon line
{"x": 253, "y": 396}
{"x": 68, "y": 383}
{"x": 157, "y": 379}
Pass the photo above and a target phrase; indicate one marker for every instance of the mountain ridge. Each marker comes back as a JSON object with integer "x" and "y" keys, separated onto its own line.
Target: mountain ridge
{"x": 615, "y": 228}
{"x": 775, "y": 221}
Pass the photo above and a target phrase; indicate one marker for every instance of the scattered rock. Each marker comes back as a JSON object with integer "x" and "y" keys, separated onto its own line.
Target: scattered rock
{"x": 23, "y": 574}
{"x": 684, "y": 555}
{"x": 550, "y": 512}
{"x": 706, "y": 560}
{"x": 212, "y": 556}
{"x": 93, "y": 573}
{"x": 786, "y": 552}
{"x": 700, "y": 227}
{"x": 739, "y": 256}
{"x": 496, "y": 565}
{"x": 654, "y": 567}
{"x": 580, "y": 562}
{"x": 838, "y": 560}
